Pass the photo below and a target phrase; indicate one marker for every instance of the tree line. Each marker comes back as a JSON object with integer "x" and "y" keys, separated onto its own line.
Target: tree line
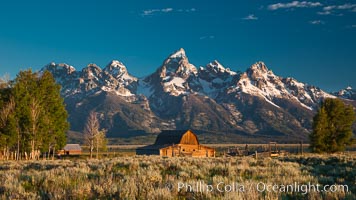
{"x": 33, "y": 118}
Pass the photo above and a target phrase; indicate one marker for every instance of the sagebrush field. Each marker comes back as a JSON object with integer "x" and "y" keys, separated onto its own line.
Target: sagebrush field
{"x": 153, "y": 177}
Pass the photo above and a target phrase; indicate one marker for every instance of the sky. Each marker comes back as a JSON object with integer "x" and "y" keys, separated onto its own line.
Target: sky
{"x": 312, "y": 41}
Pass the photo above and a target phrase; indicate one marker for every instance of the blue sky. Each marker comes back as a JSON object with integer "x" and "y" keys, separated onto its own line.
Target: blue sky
{"x": 312, "y": 41}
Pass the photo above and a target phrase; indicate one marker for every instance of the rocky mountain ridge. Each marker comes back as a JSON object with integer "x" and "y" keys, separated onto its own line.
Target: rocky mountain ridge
{"x": 178, "y": 95}
{"x": 347, "y": 93}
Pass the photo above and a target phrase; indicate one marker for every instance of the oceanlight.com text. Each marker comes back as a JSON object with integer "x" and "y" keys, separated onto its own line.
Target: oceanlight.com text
{"x": 295, "y": 187}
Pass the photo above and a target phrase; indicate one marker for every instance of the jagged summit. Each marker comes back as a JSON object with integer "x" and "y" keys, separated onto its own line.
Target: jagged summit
{"x": 258, "y": 80}
{"x": 118, "y": 70}
{"x": 115, "y": 66}
{"x": 91, "y": 71}
{"x": 178, "y": 54}
{"x": 259, "y": 66}
{"x": 217, "y": 68}
{"x": 177, "y": 64}
{"x": 52, "y": 67}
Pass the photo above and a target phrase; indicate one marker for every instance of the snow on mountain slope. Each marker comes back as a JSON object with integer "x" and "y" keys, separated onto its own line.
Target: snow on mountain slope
{"x": 218, "y": 69}
{"x": 113, "y": 78}
{"x": 173, "y": 77}
{"x": 66, "y": 76}
{"x": 215, "y": 78}
{"x": 258, "y": 80}
{"x": 118, "y": 70}
{"x": 178, "y": 77}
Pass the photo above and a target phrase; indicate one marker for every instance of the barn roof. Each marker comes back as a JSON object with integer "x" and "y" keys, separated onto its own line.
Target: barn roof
{"x": 72, "y": 147}
{"x": 170, "y": 137}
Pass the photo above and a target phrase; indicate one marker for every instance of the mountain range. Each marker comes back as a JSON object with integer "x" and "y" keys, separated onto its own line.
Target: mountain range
{"x": 216, "y": 102}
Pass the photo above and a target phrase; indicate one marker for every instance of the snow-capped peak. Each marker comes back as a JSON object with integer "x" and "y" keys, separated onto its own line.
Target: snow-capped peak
{"x": 117, "y": 64}
{"x": 178, "y": 54}
{"x": 60, "y": 66}
{"x": 216, "y": 68}
{"x": 92, "y": 71}
{"x": 259, "y": 81}
{"x": 177, "y": 64}
{"x": 116, "y": 69}
{"x": 259, "y": 66}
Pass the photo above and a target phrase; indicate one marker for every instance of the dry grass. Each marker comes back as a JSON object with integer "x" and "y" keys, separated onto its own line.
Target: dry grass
{"x": 147, "y": 177}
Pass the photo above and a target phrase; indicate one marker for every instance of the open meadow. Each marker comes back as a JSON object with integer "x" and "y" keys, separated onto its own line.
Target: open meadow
{"x": 154, "y": 177}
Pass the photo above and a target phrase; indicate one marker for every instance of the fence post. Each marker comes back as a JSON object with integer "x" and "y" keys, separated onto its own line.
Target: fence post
{"x": 301, "y": 147}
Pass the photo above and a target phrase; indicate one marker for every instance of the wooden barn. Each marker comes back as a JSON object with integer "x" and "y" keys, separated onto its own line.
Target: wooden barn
{"x": 177, "y": 143}
{"x": 72, "y": 149}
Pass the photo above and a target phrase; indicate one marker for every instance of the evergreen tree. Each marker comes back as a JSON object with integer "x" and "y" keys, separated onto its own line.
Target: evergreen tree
{"x": 320, "y": 131}
{"x": 39, "y": 118}
{"x": 7, "y": 120}
{"x": 7, "y": 127}
{"x": 54, "y": 123}
{"x": 332, "y": 127}
{"x": 24, "y": 89}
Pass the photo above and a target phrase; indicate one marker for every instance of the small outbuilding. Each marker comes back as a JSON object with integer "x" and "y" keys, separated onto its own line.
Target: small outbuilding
{"x": 72, "y": 149}
{"x": 182, "y": 143}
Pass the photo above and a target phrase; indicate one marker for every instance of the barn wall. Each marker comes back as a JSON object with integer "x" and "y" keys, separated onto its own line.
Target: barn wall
{"x": 74, "y": 152}
{"x": 187, "y": 150}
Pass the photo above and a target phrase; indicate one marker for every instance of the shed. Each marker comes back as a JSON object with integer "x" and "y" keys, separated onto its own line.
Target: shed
{"x": 172, "y": 143}
{"x": 72, "y": 149}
